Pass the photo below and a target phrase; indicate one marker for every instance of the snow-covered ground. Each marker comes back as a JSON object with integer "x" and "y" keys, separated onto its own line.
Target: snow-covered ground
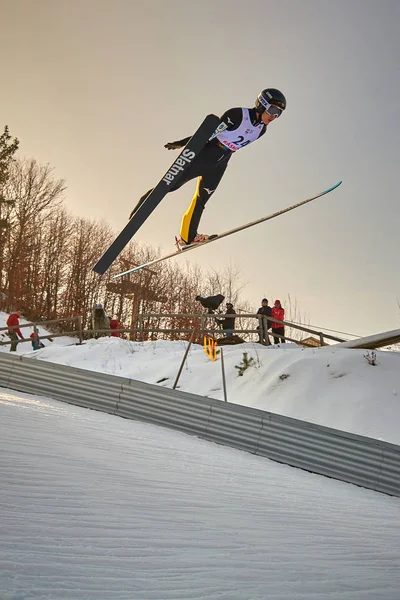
{"x": 332, "y": 386}
{"x": 95, "y": 507}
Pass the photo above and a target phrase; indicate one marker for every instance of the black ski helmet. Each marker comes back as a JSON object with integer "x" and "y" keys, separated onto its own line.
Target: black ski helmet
{"x": 272, "y": 96}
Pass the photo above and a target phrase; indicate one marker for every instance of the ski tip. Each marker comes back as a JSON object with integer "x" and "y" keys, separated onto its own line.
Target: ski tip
{"x": 336, "y": 185}
{"x": 331, "y": 188}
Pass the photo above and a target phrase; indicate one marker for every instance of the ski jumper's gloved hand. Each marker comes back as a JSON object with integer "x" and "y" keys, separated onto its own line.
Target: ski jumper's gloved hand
{"x": 177, "y": 144}
{"x": 172, "y": 146}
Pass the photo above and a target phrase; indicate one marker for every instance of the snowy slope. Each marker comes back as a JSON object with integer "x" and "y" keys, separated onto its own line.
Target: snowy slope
{"x": 94, "y": 507}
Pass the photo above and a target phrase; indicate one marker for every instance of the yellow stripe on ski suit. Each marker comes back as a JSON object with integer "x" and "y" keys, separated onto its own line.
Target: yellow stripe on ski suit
{"x": 187, "y": 217}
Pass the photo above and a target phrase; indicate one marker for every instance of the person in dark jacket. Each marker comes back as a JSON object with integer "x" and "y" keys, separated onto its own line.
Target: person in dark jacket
{"x": 265, "y": 324}
{"x": 14, "y": 330}
{"x": 228, "y": 323}
{"x": 100, "y": 320}
{"x": 242, "y": 126}
{"x": 278, "y": 330}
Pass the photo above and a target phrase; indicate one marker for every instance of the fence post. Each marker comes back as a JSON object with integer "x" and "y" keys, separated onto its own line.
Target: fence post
{"x": 202, "y": 324}
{"x": 184, "y": 359}
{"x": 223, "y": 374}
{"x": 80, "y": 330}
{"x": 140, "y": 324}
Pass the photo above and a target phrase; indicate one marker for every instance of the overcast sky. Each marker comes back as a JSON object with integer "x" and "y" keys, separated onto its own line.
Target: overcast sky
{"x": 95, "y": 88}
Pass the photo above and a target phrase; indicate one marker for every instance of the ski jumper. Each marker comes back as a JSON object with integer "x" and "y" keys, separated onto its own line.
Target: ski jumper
{"x": 244, "y": 127}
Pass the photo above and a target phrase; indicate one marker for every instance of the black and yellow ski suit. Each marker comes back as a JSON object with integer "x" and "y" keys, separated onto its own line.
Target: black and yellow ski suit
{"x": 244, "y": 126}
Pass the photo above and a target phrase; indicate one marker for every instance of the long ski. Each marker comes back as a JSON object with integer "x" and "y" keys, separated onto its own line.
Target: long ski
{"x": 226, "y": 233}
{"x": 174, "y": 173}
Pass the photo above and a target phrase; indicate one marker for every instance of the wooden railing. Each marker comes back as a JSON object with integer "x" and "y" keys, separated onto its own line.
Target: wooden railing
{"x": 201, "y": 324}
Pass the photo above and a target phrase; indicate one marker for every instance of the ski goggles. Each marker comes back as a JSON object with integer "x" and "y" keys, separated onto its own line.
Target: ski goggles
{"x": 271, "y": 109}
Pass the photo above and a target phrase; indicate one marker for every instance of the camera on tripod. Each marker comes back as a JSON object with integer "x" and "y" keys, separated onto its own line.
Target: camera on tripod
{"x": 211, "y": 303}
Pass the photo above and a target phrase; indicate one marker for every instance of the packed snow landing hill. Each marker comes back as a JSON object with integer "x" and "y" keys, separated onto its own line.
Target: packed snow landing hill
{"x": 337, "y": 387}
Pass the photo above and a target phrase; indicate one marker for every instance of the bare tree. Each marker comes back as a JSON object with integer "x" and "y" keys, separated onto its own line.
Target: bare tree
{"x": 83, "y": 287}
{"x": 294, "y": 315}
{"x": 33, "y": 193}
{"x": 54, "y": 262}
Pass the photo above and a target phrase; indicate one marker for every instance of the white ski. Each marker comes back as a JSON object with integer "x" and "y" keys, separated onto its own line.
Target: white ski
{"x": 186, "y": 249}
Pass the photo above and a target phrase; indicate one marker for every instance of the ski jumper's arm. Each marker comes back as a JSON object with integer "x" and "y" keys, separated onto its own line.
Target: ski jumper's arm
{"x": 232, "y": 118}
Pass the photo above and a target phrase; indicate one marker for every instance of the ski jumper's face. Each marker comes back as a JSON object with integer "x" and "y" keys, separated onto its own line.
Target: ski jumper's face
{"x": 266, "y": 118}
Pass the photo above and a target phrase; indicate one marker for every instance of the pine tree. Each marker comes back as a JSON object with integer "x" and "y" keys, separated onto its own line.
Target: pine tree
{"x": 8, "y": 148}
{"x": 245, "y": 364}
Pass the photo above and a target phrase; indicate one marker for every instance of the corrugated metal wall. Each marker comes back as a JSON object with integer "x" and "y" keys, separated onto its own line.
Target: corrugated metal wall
{"x": 352, "y": 458}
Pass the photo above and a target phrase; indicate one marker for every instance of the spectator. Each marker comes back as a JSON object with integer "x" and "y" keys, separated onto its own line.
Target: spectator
{"x": 14, "y": 330}
{"x": 115, "y": 324}
{"x": 36, "y": 343}
{"x": 228, "y": 323}
{"x": 265, "y": 324}
{"x": 99, "y": 320}
{"x": 278, "y": 330}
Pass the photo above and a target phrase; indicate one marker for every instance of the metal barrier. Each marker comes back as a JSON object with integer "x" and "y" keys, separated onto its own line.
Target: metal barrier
{"x": 348, "y": 457}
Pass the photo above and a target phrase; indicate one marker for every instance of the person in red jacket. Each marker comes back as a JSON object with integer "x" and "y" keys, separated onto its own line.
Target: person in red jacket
{"x": 14, "y": 330}
{"x": 278, "y": 329}
{"x": 115, "y": 324}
